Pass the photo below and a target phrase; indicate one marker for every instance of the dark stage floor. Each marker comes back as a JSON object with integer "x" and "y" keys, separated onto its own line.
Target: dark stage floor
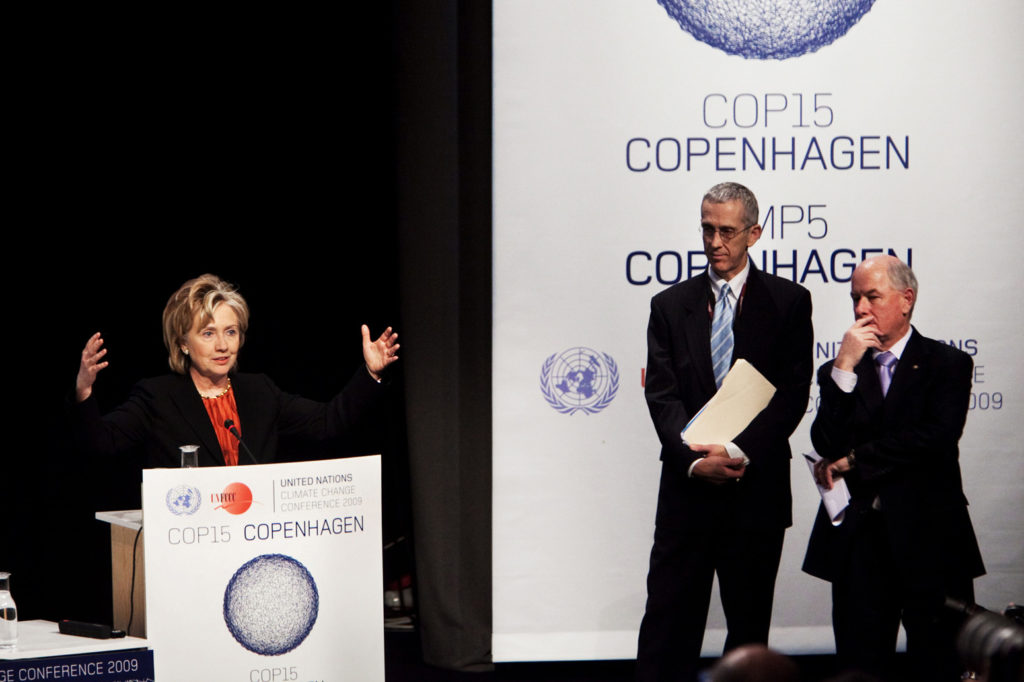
{"x": 404, "y": 663}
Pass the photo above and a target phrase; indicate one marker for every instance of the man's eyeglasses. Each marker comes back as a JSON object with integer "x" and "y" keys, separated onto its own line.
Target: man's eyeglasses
{"x": 726, "y": 233}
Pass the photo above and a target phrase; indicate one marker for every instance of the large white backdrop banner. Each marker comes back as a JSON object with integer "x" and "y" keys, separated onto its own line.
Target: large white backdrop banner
{"x": 863, "y": 127}
{"x": 265, "y": 573}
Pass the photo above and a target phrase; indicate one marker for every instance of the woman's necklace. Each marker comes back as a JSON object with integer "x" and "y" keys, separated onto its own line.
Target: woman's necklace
{"x": 218, "y": 394}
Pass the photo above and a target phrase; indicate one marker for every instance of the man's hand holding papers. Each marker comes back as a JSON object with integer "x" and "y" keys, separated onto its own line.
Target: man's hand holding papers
{"x": 826, "y": 472}
{"x": 744, "y": 393}
{"x": 717, "y": 466}
{"x": 829, "y": 478}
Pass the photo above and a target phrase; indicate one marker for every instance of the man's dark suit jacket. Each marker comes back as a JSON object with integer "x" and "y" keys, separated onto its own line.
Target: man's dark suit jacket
{"x": 772, "y": 331}
{"x": 907, "y": 455}
{"x": 166, "y": 412}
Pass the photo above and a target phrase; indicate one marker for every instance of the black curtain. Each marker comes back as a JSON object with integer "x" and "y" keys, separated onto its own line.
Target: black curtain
{"x": 444, "y": 142}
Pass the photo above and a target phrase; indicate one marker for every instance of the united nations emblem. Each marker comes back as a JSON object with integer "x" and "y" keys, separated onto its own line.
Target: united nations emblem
{"x": 183, "y": 500}
{"x": 579, "y": 379}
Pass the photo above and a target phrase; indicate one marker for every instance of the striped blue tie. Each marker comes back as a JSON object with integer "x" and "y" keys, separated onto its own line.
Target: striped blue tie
{"x": 721, "y": 336}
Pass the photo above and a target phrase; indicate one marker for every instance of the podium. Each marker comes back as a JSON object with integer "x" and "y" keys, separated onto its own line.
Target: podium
{"x": 269, "y": 571}
{"x": 125, "y": 561}
{"x": 43, "y": 653}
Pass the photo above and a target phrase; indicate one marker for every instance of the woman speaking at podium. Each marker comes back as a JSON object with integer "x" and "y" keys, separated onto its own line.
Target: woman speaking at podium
{"x": 233, "y": 417}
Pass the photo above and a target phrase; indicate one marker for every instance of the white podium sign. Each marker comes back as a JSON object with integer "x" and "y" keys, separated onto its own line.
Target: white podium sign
{"x": 268, "y": 573}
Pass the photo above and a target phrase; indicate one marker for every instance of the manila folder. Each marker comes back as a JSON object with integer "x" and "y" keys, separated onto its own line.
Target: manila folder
{"x": 744, "y": 393}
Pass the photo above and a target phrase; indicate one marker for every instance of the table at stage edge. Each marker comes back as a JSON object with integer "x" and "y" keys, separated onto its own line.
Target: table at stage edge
{"x": 55, "y": 656}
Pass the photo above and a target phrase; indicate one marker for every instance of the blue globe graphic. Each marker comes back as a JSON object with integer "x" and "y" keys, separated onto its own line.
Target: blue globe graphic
{"x": 271, "y": 604}
{"x": 767, "y": 29}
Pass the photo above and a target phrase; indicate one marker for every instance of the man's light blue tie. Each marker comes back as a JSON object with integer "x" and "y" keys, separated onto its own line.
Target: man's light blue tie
{"x": 721, "y": 336}
{"x": 886, "y": 362}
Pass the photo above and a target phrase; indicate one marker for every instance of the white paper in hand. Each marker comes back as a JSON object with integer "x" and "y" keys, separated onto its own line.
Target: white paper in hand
{"x": 837, "y": 499}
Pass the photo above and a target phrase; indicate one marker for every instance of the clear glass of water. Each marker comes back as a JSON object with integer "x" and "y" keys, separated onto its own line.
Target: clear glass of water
{"x": 189, "y": 456}
{"x": 8, "y": 614}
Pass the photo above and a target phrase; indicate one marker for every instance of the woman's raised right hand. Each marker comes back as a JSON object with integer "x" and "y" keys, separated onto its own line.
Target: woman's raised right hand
{"x": 92, "y": 363}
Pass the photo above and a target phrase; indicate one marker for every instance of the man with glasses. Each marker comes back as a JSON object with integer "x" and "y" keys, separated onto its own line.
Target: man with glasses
{"x": 722, "y": 507}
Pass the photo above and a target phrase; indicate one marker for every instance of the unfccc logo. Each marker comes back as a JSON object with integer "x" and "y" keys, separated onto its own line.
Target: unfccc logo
{"x": 767, "y": 29}
{"x": 236, "y": 498}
